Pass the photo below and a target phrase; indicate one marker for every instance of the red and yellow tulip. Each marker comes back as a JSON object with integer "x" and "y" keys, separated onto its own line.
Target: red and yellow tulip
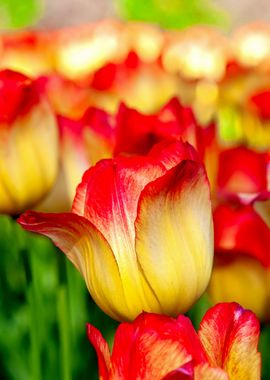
{"x": 140, "y": 231}
{"x": 83, "y": 143}
{"x": 161, "y": 348}
{"x": 242, "y": 262}
{"x": 28, "y": 143}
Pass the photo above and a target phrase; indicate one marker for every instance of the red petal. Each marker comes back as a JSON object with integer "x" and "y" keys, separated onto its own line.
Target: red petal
{"x": 260, "y": 102}
{"x": 136, "y": 133}
{"x": 239, "y": 229}
{"x": 151, "y": 347}
{"x": 186, "y": 372}
{"x": 17, "y": 95}
{"x": 242, "y": 170}
{"x": 102, "y": 351}
{"x": 230, "y": 336}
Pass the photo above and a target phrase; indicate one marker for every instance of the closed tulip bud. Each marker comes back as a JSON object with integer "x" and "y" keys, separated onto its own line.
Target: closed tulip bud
{"x": 140, "y": 231}
{"x": 28, "y": 143}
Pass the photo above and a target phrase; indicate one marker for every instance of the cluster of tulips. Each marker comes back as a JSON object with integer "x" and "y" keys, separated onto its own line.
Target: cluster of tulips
{"x": 145, "y": 157}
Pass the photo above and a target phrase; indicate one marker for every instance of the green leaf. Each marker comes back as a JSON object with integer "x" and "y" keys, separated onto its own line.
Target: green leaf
{"x": 19, "y": 13}
{"x": 175, "y": 14}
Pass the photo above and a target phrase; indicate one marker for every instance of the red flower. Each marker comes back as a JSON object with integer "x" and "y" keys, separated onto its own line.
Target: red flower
{"x": 242, "y": 261}
{"x": 136, "y": 133}
{"x": 161, "y": 348}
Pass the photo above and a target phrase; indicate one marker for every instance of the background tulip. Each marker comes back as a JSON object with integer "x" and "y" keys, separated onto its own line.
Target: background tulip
{"x": 162, "y": 348}
{"x": 28, "y": 143}
{"x": 140, "y": 231}
{"x": 242, "y": 262}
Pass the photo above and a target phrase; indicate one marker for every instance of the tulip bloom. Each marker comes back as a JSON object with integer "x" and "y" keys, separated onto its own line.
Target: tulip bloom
{"x": 83, "y": 142}
{"x": 140, "y": 231}
{"x": 242, "y": 264}
{"x": 28, "y": 143}
{"x": 242, "y": 170}
{"x": 136, "y": 133}
{"x": 161, "y": 348}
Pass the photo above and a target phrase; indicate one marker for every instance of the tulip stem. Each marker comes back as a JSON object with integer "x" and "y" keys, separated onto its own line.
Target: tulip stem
{"x": 32, "y": 294}
{"x": 64, "y": 330}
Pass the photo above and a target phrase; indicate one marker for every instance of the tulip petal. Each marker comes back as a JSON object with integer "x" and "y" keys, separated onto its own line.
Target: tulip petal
{"x": 102, "y": 350}
{"x": 27, "y": 168}
{"x": 174, "y": 236}
{"x": 89, "y": 252}
{"x": 150, "y": 347}
{"x": 242, "y": 170}
{"x": 186, "y": 372}
{"x": 230, "y": 336}
{"x": 205, "y": 372}
{"x": 239, "y": 229}
{"x": 108, "y": 197}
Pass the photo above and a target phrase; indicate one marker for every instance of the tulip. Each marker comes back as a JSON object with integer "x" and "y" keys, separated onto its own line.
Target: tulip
{"x": 242, "y": 170}
{"x": 28, "y": 143}
{"x": 83, "y": 142}
{"x": 161, "y": 348}
{"x": 136, "y": 133}
{"x": 242, "y": 262}
{"x": 140, "y": 231}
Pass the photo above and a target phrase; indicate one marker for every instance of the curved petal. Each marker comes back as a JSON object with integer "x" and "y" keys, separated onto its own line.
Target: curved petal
{"x": 174, "y": 236}
{"x": 108, "y": 197}
{"x": 150, "y": 347}
{"x": 102, "y": 350}
{"x": 242, "y": 170}
{"x": 240, "y": 279}
{"x": 89, "y": 252}
{"x": 230, "y": 336}
{"x": 205, "y": 372}
{"x": 239, "y": 229}
{"x": 186, "y": 372}
{"x": 28, "y": 159}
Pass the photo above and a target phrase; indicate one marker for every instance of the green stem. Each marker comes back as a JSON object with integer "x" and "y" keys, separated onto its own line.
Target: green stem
{"x": 64, "y": 327}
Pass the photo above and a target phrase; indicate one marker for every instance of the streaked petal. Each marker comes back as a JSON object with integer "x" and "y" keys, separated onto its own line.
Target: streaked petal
{"x": 102, "y": 351}
{"x": 230, "y": 336}
{"x": 149, "y": 348}
{"x": 89, "y": 252}
{"x": 205, "y": 372}
{"x": 174, "y": 236}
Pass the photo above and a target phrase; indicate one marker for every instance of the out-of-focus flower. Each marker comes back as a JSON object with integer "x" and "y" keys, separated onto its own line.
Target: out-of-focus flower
{"x": 83, "y": 143}
{"x": 67, "y": 98}
{"x": 242, "y": 260}
{"x": 27, "y": 52}
{"x": 242, "y": 170}
{"x": 251, "y": 44}
{"x": 28, "y": 143}
{"x": 140, "y": 231}
{"x": 136, "y": 133}
{"x": 198, "y": 52}
{"x": 161, "y": 348}
{"x": 141, "y": 85}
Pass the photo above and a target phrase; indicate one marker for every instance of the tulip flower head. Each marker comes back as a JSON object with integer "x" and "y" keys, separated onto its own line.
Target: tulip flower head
{"x": 242, "y": 263}
{"x": 140, "y": 231}
{"x": 161, "y": 348}
{"x": 83, "y": 142}
{"x": 28, "y": 143}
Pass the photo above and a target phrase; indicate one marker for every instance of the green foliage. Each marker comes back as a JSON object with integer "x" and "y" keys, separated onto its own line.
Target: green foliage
{"x": 173, "y": 14}
{"x": 19, "y": 13}
{"x": 44, "y": 306}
